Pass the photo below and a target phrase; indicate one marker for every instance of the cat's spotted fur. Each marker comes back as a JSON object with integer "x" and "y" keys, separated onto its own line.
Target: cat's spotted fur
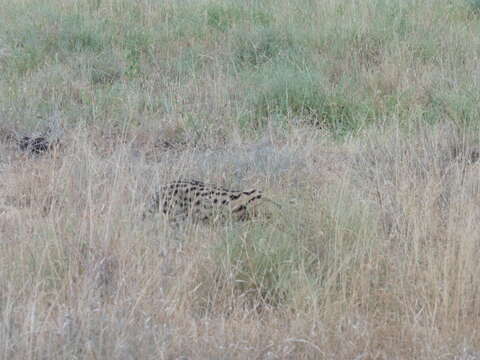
{"x": 200, "y": 202}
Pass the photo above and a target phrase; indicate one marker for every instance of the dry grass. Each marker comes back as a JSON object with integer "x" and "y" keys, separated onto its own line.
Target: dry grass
{"x": 360, "y": 118}
{"x": 376, "y": 258}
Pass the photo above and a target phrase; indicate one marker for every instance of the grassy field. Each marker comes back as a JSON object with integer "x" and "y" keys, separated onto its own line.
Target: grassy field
{"x": 360, "y": 117}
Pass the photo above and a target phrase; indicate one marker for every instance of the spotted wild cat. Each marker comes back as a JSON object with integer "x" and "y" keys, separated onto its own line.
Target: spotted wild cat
{"x": 200, "y": 202}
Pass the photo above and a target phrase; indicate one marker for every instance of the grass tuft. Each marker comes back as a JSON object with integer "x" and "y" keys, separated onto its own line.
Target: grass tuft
{"x": 261, "y": 46}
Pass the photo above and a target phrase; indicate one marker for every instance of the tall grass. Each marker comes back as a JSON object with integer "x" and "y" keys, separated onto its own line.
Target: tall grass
{"x": 359, "y": 118}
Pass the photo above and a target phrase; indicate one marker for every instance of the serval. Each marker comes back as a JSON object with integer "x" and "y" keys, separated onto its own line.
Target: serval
{"x": 200, "y": 202}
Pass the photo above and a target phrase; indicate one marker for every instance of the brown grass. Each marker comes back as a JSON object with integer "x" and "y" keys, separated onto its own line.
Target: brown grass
{"x": 360, "y": 118}
{"x": 387, "y": 229}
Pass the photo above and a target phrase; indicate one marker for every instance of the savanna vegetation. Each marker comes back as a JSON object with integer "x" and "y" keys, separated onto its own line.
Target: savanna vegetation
{"x": 361, "y": 118}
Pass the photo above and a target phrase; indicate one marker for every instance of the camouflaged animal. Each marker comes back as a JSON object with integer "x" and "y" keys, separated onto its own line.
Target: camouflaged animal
{"x": 39, "y": 143}
{"x": 200, "y": 202}
{"x": 34, "y": 145}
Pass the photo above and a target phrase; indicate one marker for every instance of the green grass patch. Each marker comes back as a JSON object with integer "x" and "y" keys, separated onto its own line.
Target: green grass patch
{"x": 79, "y": 33}
{"x": 260, "y": 46}
{"x": 309, "y": 95}
{"x": 320, "y": 247}
{"x": 461, "y": 107}
{"x": 104, "y": 69}
{"x": 335, "y": 66}
{"x": 474, "y": 6}
{"x": 223, "y": 16}
{"x": 50, "y": 36}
